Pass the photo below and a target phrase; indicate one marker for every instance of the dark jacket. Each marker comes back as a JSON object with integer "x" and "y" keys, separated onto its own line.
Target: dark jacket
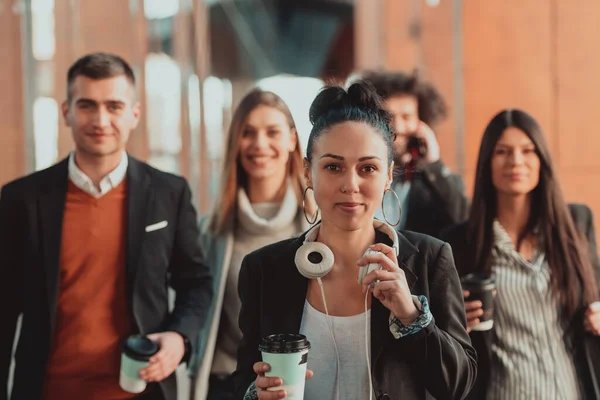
{"x": 437, "y": 362}
{"x": 31, "y": 216}
{"x": 436, "y": 200}
{"x": 587, "y": 346}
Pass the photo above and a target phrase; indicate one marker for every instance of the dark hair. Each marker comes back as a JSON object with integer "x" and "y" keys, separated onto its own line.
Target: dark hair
{"x": 432, "y": 107}
{"x": 360, "y": 103}
{"x": 99, "y": 66}
{"x": 567, "y": 253}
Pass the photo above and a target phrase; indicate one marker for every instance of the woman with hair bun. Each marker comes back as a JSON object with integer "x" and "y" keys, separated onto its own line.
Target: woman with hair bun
{"x": 400, "y": 331}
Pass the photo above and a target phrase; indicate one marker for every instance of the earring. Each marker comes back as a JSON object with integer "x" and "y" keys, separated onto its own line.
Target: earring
{"x": 399, "y": 207}
{"x": 304, "y": 207}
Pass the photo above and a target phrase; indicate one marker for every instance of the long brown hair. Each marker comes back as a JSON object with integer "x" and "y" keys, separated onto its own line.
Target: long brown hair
{"x": 234, "y": 176}
{"x": 569, "y": 259}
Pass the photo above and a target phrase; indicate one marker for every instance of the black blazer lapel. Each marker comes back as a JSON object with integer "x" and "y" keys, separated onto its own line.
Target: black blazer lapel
{"x": 406, "y": 250}
{"x": 379, "y": 313}
{"x": 139, "y": 198}
{"x": 412, "y": 203}
{"x": 289, "y": 297}
{"x": 379, "y": 337}
{"x": 52, "y": 208}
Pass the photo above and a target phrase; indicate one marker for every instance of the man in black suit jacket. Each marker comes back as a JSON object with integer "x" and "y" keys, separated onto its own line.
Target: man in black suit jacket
{"x": 431, "y": 196}
{"x": 159, "y": 247}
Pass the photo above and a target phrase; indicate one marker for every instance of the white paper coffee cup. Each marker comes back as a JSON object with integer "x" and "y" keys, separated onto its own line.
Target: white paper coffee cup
{"x": 287, "y": 355}
{"x": 137, "y": 351}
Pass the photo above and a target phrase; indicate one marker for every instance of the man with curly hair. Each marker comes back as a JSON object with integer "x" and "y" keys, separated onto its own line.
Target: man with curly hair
{"x": 431, "y": 197}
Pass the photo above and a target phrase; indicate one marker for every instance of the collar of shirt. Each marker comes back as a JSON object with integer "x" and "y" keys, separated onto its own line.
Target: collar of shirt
{"x": 109, "y": 182}
{"x": 501, "y": 238}
{"x": 504, "y": 244}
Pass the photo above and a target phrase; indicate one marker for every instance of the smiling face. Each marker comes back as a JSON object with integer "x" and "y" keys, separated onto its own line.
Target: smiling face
{"x": 515, "y": 164}
{"x": 101, "y": 114}
{"x": 266, "y": 142}
{"x": 349, "y": 173}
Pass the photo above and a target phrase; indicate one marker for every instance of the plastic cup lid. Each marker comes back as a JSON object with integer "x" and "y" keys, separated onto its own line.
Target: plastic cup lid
{"x": 478, "y": 278}
{"x": 140, "y": 347}
{"x": 284, "y": 343}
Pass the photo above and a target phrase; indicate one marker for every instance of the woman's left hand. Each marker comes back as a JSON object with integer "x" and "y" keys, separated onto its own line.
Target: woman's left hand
{"x": 591, "y": 319}
{"x": 389, "y": 284}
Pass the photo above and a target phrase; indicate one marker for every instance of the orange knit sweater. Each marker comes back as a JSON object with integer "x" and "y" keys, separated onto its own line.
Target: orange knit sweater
{"x": 92, "y": 311}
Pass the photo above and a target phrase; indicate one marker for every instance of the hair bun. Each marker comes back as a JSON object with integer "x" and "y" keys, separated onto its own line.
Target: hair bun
{"x": 361, "y": 94}
{"x": 332, "y": 97}
{"x": 364, "y": 95}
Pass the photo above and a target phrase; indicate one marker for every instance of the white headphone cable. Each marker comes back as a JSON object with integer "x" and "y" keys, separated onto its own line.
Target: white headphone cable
{"x": 337, "y": 354}
{"x": 367, "y": 341}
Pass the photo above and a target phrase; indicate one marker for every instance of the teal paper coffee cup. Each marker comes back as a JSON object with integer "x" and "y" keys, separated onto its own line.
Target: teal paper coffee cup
{"x": 287, "y": 354}
{"x": 137, "y": 351}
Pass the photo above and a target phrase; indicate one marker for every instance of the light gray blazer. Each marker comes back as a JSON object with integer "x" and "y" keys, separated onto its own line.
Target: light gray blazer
{"x": 217, "y": 250}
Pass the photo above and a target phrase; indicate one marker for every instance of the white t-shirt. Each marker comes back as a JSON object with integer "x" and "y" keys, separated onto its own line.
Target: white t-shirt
{"x": 350, "y": 338}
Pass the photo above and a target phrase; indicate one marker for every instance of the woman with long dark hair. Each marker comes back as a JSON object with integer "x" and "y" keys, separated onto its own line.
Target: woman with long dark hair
{"x": 542, "y": 253}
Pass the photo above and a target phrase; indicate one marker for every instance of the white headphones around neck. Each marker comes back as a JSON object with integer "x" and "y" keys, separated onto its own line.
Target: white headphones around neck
{"x": 314, "y": 259}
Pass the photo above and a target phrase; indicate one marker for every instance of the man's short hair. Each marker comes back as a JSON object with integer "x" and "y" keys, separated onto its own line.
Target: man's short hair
{"x": 99, "y": 66}
{"x": 432, "y": 107}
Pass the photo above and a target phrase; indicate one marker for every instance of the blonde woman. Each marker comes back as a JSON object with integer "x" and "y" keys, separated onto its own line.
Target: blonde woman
{"x": 260, "y": 202}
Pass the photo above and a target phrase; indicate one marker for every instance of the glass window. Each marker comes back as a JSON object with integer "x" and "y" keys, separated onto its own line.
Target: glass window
{"x": 43, "y": 38}
{"x": 163, "y": 111}
{"x": 298, "y": 93}
{"x": 158, "y": 9}
{"x": 45, "y": 130}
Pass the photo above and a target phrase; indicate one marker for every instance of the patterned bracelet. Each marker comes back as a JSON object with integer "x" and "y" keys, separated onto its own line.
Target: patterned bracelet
{"x": 400, "y": 330}
{"x": 251, "y": 393}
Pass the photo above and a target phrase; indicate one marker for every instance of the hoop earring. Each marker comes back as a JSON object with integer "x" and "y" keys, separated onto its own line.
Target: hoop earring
{"x": 304, "y": 207}
{"x": 399, "y": 207}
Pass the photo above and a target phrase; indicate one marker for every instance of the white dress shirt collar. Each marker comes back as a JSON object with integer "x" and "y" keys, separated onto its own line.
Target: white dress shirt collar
{"x": 109, "y": 182}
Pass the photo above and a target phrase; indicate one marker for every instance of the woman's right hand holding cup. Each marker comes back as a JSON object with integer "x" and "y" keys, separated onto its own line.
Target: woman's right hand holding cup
{"x": 473, "y": 310}
{"x": 263, "y": 383}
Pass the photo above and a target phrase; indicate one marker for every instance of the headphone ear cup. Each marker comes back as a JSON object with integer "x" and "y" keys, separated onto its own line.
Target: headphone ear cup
{"x": 314, "y": 260}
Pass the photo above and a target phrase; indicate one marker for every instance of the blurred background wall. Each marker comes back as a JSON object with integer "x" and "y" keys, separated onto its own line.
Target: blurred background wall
{"x": 194, "y": 60}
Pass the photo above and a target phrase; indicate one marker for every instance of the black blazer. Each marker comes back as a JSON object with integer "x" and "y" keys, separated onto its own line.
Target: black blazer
{"x": 436, "y": 200}
{"x": 437, "y": 362}
{"x": 587, "y": 346}
{"x": 31, "y": 215}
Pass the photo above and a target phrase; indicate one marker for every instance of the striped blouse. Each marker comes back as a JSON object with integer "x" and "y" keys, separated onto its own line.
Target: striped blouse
{"x": 530, "y": 357}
